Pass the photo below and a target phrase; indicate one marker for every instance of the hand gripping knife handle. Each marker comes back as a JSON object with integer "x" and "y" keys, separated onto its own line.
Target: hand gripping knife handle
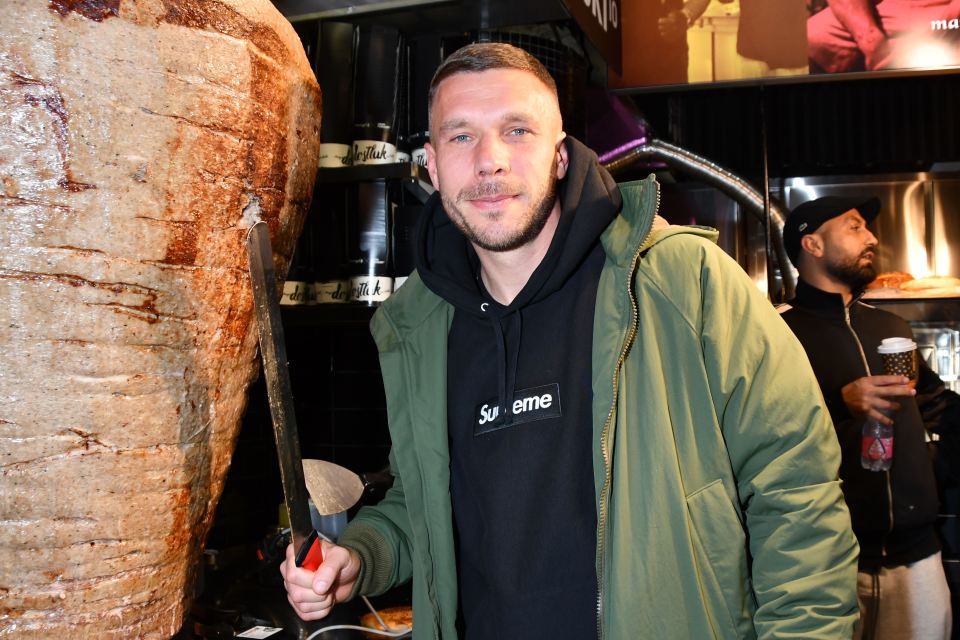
{"x": 306, "y": 541}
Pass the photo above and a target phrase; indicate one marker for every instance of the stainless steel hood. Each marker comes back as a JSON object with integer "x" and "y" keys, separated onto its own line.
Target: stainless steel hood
{"x": 919, "y": 223}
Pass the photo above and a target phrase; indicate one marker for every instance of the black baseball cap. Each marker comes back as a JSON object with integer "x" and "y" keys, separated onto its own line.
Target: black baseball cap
{"x": 808, "y": 216}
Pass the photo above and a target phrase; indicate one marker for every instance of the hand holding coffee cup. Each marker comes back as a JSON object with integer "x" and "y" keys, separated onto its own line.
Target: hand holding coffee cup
{"x": 899, "y": 357}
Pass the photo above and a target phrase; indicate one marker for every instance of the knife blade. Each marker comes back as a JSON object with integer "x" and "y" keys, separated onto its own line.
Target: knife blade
{"x": 273, "y": 352}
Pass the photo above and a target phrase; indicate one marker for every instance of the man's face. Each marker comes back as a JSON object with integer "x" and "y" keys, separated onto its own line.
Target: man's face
{"x": 848, "y": 249}
{"x": 496, "y": 155}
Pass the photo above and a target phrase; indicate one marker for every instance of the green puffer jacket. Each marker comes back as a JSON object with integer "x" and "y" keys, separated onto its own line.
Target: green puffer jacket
{"x": 719, "y": 509}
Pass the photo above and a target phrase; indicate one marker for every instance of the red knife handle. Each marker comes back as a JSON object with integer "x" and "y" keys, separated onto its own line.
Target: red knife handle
{"x": 309, "y": 556}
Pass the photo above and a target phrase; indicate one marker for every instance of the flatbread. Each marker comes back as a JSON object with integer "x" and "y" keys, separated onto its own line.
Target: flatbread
{"x": 397, "y": 618}
{"x": 931, "y": 282}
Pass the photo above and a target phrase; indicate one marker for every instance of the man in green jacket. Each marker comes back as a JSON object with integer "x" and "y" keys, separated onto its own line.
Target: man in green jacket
{"x": 600, "y": 427}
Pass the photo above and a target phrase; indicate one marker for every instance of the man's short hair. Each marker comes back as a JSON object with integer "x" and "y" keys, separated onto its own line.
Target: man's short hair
{"x": 484, "y": 56}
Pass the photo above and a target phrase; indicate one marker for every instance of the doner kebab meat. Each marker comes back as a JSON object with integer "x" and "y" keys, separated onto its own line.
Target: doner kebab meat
{"x": 139, "y": 140}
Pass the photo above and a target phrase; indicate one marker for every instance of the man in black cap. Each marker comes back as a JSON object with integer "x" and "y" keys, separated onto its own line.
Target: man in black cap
{"x": 901, "y": 585}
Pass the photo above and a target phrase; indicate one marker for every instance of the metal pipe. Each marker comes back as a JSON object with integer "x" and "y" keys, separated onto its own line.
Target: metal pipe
{"x": 767, "y": 223}
{"x": 716, "y": 176}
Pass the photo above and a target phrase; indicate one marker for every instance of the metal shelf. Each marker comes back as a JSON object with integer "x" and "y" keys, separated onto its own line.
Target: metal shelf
{"x": 414, "y": 177}
{"x": 296, "y": 10}
{"x": 414, "y": 17}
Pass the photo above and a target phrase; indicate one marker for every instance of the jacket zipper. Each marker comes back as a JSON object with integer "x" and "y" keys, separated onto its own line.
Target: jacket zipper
{"x": 605, "y": 433}
{"x": 866, "y": 366}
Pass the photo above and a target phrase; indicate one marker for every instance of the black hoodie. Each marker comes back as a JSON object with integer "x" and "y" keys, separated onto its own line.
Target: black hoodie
{"x": 522, "y": 479}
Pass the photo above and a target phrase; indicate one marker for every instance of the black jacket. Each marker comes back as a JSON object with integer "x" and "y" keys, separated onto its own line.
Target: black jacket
{"x": 893, "y": 512}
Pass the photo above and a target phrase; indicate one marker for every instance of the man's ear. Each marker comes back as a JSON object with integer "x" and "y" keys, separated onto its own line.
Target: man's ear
{"x": 563, "y": 157}
{"x": 812, "y": 244}
{"x": 432, "y": 165}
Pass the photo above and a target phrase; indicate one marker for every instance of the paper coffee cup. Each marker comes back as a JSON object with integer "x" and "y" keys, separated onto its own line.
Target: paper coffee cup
{"x": 899, "y": 356}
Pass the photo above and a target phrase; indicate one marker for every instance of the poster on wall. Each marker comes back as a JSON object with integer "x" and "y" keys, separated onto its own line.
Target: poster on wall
{"x": 677, "y": 42}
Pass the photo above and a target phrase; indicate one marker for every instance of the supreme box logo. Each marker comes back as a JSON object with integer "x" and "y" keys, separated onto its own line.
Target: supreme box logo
{"x": 528, "y": 405}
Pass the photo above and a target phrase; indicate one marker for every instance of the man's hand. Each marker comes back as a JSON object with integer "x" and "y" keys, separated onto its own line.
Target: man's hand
{"x": 877, "y": 51}
{"x": 867, "y": 396}
{"x": 673, "y": 26}
{"x": 312, "y": 595}
{"x": 862, "y": 23}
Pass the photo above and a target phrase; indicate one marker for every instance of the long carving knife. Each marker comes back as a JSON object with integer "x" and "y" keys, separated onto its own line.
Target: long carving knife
{"x": 274, "y": 355}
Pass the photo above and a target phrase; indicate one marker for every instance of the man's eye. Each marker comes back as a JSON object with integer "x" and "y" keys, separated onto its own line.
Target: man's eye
{"x": 462, "y": 137}
{"x": 519, "y": 131}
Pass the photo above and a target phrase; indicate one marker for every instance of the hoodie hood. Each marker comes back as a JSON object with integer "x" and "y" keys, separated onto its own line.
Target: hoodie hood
{"x": 450, "y": 267}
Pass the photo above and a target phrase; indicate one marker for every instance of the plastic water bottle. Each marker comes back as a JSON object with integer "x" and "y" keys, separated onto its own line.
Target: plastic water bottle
{"x": 876, "y": 446}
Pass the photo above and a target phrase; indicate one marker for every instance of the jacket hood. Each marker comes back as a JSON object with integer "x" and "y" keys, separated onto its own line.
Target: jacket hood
{"x": 449, "y": 266}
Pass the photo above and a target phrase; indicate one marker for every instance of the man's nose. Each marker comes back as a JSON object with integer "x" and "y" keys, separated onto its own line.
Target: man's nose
{"x": 491, "y": 157}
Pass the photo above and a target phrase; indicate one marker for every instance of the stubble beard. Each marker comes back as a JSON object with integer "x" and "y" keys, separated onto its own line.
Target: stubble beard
{"x": 535, "y": 219}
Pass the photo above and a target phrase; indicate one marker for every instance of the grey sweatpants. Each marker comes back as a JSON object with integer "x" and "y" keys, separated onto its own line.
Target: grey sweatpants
{"x": 914, "y": 602}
